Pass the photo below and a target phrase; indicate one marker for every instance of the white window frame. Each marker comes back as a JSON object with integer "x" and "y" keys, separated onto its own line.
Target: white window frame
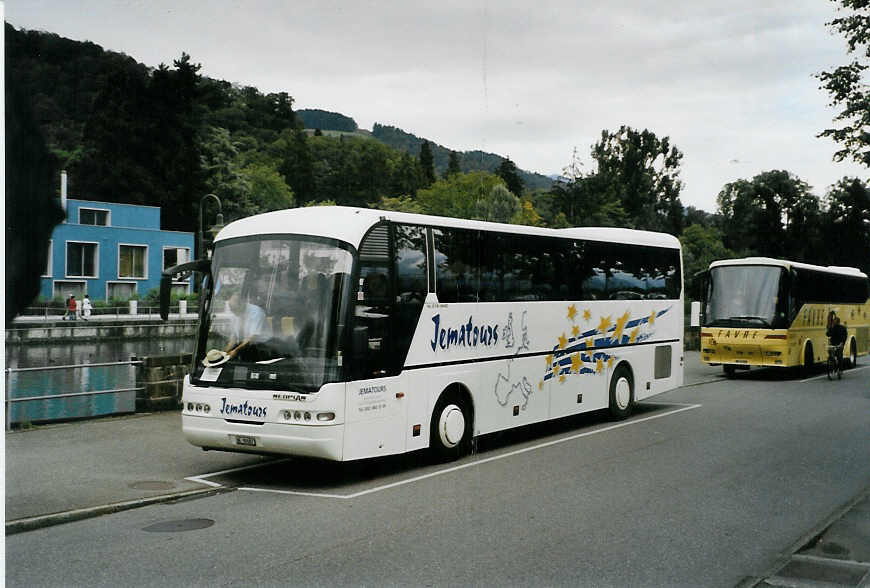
{"x": 163, "y": 261}
{"x": 54, "y": 283}
{"x": 48, "y": 266}
{"x": 130, "y": 282}
{"x": 106, "y": 210}
{"x": 120, "y": 277}
{"x": 96, "y": 258}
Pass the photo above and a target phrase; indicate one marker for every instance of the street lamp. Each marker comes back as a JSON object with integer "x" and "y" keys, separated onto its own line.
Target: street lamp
{"x": 213, "y": 230}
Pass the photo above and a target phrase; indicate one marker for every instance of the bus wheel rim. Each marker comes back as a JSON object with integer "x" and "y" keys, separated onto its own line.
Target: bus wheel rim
{"x": 853, "y": 357}
{"x": 623, "y": 393}
{"x": 451, "y": 425}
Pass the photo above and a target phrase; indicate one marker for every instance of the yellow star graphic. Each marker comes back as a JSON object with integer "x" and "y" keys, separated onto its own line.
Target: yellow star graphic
{"x": 599, "y": 365}
{"x": 587, "y": 315}
{"x": 610, "y": 361}
{"x": 572, "y": 312}
{"x": 590, "y": 343}
{"x": 563, "y": 341}
{"x": 620, "y": 326}
{"x": 562, "y": 379}
{"x": 633, "y": 337}
{"x": 575, "y": 363}
{"x": 605, "y": 322}
{"x": 540, "y": 384}
{"x": 575, "y": 331}
{"x": 549, "y": 360}
{"x": 652, "y": 318}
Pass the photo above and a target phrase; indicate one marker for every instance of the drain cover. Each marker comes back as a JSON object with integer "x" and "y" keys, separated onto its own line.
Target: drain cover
{"x": 152, "y": 485}
{"x": 179, "y": 526}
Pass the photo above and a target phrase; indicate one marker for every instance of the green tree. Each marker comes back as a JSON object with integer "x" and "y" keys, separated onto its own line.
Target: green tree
{"x": 452, "y": 164}
{"x": 499, "y": 205}
{"x": 701, "y": 246}
{"x": 268, "y": 189}
{"x": 643, "y": 170}
{"x": 847, "y": 216}
{"x": 773, "y": 214}
{"x": 427, "y": 162}
{"x": 846, "y": 85}
{"x": 507, "y": 170}
{"x": 400, "y": 204}
{"x": 458, "y": 195}
{"x": 527, "y": 215}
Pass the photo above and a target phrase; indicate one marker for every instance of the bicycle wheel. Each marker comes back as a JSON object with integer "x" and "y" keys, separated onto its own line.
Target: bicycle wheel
{"x": 839, "y": 368}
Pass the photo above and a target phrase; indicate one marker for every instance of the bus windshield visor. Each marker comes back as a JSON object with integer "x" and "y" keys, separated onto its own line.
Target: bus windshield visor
{"x": 273, "y": 314}
{"x": 743, "y": 296}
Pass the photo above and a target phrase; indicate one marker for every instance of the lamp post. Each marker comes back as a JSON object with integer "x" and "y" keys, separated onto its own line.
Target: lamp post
{"x": 219, "y": 223}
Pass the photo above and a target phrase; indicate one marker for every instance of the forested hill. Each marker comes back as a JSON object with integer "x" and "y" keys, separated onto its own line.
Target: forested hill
{"x": 396, "y": 138}
{"x": 166, "y": 135}
{"x": 468, "y": 160}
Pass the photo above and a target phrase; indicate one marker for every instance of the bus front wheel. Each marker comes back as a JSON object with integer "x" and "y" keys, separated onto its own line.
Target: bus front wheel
{"x": 621, "y": 392}
{"x": 451, "y": 427}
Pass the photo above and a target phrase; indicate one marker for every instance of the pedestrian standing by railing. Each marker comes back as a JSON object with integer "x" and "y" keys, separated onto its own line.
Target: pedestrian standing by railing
{"x": 86, "y": 307}
{"x": 71, "y": 308}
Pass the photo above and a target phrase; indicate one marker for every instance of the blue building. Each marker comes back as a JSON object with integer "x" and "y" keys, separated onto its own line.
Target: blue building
{"x": 111, "y": 251}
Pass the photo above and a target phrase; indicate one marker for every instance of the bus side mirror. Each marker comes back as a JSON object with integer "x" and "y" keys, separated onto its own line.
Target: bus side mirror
{"x": 202, "y": 266}
{"x": 695, "y": 317}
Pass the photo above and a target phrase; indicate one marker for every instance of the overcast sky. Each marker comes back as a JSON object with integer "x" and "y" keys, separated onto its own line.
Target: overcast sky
{"x": 731, "y": 83}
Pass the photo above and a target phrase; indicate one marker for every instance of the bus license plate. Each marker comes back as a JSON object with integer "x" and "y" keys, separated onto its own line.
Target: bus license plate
{"x": 246, "y": 440}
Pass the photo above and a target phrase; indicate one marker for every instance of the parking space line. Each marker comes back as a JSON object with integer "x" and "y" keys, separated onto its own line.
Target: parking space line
{"x": 202, "y": 479}
{"x": 475, "y": 463}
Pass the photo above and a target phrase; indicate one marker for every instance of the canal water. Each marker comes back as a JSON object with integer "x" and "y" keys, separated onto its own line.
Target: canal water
{"x": 75, "y": 380}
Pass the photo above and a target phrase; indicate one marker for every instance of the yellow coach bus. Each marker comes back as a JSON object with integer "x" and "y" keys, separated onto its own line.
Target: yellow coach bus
{"x": 758, "y": 311}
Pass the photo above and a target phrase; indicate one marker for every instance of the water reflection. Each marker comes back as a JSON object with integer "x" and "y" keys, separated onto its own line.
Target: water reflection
{"x": 73, "y": 353}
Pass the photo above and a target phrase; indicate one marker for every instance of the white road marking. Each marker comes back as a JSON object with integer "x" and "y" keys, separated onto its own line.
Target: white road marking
{"x": 201, "y": 479}
{"x": 845, "y": 372}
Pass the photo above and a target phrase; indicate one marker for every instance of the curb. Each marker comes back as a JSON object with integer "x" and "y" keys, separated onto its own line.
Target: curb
{"x": 69, "y": 516}
{"x": 786, "y": 555}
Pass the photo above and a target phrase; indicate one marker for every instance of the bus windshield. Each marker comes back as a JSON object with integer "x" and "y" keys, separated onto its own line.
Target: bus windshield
{"x": 743, "y": 296}
{"x": 274, "y": 313}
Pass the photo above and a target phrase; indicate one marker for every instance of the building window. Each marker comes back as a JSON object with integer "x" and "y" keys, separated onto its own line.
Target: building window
{"x": 63, "y": 289}
{"x": 81, "y": 259}
{"x": 120, "y": 291}
{"x": 93, "y": 216}
{"x": 131, "y": 261}
{"x": 174, "y": 256}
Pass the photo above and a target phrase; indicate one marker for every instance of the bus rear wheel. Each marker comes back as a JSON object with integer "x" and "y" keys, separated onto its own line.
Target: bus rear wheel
{"x": 451, "y": 427}
{"x": 853, "y": 355}
{"x": 729, "y": 370}
{"x": 621, "y": 393}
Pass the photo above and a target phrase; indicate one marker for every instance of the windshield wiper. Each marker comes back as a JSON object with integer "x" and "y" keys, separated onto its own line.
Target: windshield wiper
{"x": 763, "y": 321}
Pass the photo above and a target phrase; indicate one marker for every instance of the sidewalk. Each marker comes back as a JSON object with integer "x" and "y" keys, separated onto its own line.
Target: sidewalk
{"x": 64, "y": 472}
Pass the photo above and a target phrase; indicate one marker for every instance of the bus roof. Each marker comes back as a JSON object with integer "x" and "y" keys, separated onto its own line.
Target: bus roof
{"x": 845, "y": 271}
{"x": 350, "y": 225}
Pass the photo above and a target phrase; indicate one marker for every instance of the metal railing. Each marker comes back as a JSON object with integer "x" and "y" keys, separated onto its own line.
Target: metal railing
{"x": 9, "y": 391}
{"x": 56, "y": 313}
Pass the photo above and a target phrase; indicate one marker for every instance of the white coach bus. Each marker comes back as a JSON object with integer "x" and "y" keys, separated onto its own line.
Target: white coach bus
{"x": 345, "y": 333}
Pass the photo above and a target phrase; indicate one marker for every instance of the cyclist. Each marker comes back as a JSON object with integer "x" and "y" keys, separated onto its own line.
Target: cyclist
{"x": 837, "y": 336}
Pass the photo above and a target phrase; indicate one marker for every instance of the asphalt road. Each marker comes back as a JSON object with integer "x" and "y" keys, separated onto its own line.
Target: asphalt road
{"x": 705, "y": 486}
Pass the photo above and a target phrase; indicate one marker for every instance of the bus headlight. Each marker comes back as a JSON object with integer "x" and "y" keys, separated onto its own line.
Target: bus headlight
{"x": 325, "y": 416}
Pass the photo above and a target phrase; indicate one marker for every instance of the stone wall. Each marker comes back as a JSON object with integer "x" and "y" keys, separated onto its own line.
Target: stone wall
{"x": 73, "y": 331}
{"x": 162, "y": 380}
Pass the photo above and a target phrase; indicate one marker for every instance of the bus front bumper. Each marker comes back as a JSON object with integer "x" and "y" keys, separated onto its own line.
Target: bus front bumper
{"x": 323, "y": 441}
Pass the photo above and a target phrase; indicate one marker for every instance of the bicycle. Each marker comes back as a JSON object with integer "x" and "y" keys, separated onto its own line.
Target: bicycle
{"x": 835, "y": 361}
